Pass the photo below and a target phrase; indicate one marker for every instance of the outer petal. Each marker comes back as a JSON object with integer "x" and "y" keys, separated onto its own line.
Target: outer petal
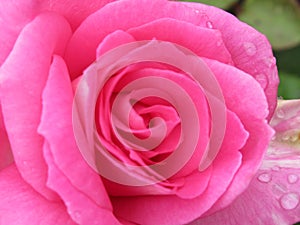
{"x": 122, "y": 15}
{"x": 14, "y": 15}
{"x": 20, "y": 204}
{"x": 56, "y": 127}
{"x": 244, "y": 96}
{"x": 205, "y": 42}
{"x": 271, "y": 199}
{"x": 22, "y": 79}
{"x": 80, "y": 207}
{"x": 75, "y": 11}
{"x": 250, "y": 50}
{"x": 273, "y": 196}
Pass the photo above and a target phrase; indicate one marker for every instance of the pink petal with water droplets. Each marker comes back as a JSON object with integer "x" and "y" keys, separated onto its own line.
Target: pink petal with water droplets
{"x": 205, "y": 42}
{"x": 272, "y": 198}
{"x": 249, "y": 49}
{"x": 122, "y": 15}
{"x": 22, "y": 79}
{"x": 20, "y": 204}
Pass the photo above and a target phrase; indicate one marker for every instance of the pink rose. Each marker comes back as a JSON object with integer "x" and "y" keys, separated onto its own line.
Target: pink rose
{"x": 132, "y": 112}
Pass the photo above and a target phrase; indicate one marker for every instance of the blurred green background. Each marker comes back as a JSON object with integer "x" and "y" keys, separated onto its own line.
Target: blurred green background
{"x": 279, "y": 20}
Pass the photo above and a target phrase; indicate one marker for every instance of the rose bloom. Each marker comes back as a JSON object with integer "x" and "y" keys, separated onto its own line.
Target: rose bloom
{"x": 69, "y": 154}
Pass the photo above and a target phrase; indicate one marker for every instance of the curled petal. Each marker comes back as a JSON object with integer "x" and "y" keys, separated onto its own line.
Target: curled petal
{"x": 22, "y": 79}
{"x": 56, "y": 128}
{"x": 21, "y": 204}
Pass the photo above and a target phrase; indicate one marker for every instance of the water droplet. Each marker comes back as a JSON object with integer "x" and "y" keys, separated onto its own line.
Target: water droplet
{"x": 264, "y": 178}
{"x": 209, "y": 24}
{"x": 262, "y": 79}
{"x": 280, "y": 113}
{"x": 270, "y": 61}
{"x": 289, "y": 201}
{"x": 196, "y": 11}
{"x": 292, "y": 178}
{"x": 276, "y": 168}
{"x": 250, "y": 48}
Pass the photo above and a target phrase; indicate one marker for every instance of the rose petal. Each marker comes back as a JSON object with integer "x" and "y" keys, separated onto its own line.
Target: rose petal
{"x": 14, "y": 15}
{"x": 113, "y": 40}
{"x": 205, "y": 42}
{"x": 147, "y": 209}
{"x": 22, "y": 79}
{"x": 244, "y": 96}
{"x": 122, "y": 15}
{"x": 21, "y": 204}
{"x": 287, "y": 116}
{"x": 75, "y": 11}
{"x": 80, "y": 207}
{"x": 250, "y": 50}
{"x": 273, "y": 197}
{"x": 196, "y": 95}
{"x": 56, "y": 128}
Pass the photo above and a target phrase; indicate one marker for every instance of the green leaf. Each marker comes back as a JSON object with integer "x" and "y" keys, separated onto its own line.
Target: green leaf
{"x": 279, "y": 20}
{"x": 224, "y": 4}
{"x": 288, "y": 60}
{"x": 289, "y": 87}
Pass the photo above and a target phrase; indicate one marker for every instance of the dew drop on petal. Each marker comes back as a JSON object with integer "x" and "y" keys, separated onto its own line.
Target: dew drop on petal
{"x": 262, "y": 79}
{"x": 264, "y": 178}
{"x": 209, "y": 24}
{"x": 289, "y": 201}
{"x": 270, "y": 62}
{"x": 196, "y": 11}
{"x": 250, "y": 48}
{"x": 276, "y": 168}
{"x": 292, "y": 178}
